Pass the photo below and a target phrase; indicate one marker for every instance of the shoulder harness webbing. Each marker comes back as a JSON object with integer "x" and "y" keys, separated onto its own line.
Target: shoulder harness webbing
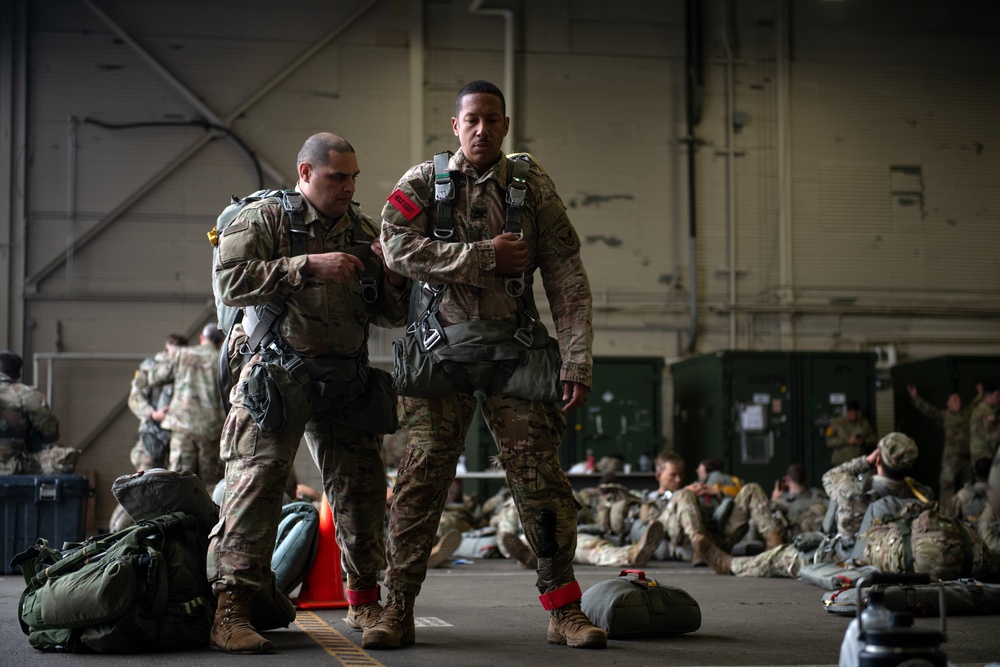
{"x": 261, "y": 322}
{"x": 426, "y": 323}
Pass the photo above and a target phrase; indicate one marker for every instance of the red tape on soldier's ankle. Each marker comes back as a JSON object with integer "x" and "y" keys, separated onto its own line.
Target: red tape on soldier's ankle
{"x": 561, "y": 597}
{"x": 367, "y": 596}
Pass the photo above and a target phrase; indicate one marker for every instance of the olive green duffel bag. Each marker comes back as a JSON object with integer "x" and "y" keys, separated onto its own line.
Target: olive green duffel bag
{"x": 633, "y": 606}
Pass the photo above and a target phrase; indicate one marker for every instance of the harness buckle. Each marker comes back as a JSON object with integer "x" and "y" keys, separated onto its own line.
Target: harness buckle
{"x": 524, "y": 337}
{"x": 369, "y": 290}
{"x": 444, "y": 234}
{"x": 514, "y": 287}
{"x": 432, "y": 338}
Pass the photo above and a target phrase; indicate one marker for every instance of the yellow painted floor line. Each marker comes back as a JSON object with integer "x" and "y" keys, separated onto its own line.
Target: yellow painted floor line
{"x": 337, "y": 645}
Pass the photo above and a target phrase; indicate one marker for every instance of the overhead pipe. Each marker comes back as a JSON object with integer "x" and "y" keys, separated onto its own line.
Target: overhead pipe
{"x": 509, "y": 91}
{"x": 694, "y": 79}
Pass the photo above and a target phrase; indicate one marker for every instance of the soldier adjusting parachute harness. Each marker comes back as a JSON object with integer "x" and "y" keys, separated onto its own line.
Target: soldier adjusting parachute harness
{"x": 261, "y": 323}
{"x": 426, "y": 324}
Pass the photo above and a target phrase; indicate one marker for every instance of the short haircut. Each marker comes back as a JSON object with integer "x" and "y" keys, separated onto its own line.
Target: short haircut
{"x": 796, "y": 472}
{"x": 10, "y": 364}
{"x": 316, "y": 149}
{"x": 663, "y": 458}
{"x": 711, "y": 464}
{"x": 854, "y": 404}
{"x": 177, "y": 340}
{"x": 989, "y": 386}
{"x": 479, "y": 86}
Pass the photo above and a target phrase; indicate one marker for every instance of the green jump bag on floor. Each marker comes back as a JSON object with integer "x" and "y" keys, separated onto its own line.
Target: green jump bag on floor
{"x": 633, "y": 606}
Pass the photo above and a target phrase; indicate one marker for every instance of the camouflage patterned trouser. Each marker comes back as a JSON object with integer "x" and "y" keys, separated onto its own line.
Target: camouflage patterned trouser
{"x": 956, "y": 471}
{"x": 683, "y": 517}
{"x": 196, "y": 453}
{"x": 595, "y": 550}
{"x": 781, "y": 561}
{"x": 989, "y": 529}
{"x": 528, "y": 436}
{"x": 258, "y": 464}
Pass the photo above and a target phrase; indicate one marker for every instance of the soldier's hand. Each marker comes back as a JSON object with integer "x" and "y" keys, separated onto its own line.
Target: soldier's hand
{"x": 336, "y": 266}
{"x": 511, "y": 254}
{"x": 576, "y": 394}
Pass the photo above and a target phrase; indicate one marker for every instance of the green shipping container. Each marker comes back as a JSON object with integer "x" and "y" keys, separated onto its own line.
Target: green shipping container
{"x": 760, "y": 411}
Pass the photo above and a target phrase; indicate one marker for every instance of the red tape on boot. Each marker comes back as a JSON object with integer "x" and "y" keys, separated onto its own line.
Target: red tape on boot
{"x": 367, "y": 596}
{"x": 561, "y": 597}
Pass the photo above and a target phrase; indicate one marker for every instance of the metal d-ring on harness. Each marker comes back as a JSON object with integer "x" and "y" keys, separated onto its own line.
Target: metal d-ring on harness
{"x": 428, "y": 327}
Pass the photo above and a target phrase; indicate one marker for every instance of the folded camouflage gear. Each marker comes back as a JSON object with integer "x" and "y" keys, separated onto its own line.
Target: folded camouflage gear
{"x": 921, "y": 539}
{"x": 633, "y": 606}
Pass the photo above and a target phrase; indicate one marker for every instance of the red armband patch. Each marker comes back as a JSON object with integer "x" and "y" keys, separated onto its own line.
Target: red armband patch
{"x": 404, "y": 204}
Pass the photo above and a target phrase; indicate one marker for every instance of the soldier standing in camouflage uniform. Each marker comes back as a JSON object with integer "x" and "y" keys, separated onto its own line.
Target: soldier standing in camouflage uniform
{"x": 470, "y": 265}
{"x": 325, "y": 324}
{"x": 956, "y": 466}
{"x": 984, "y": 427}
{"x": 194, "y": 416}
{"x": 26, "y": 420}
{"x": 850, "y": 435}
{"x": 145, "y": 399}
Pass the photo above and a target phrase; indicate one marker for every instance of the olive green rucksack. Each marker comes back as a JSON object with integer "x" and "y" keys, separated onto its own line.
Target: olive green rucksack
{"x": 140, "y": 589}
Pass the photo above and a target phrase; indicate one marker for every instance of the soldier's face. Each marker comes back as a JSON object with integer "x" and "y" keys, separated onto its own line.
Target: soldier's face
{"x": 330, "y": 187}
{"x": 670, "y": 477}
{"x": 480, "y": 128}
{"x": 954, "y": 402}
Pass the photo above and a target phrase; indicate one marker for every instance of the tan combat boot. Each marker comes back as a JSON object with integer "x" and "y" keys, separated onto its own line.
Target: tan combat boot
{"x": 569, "y": 625}
{"x": 518, "y": 550}
{"x": 773, "y": 539}
{"x": 711, "y": 554}
{"x": 441, "y": 552}
{"x": 642, "y": 551}
{"x": 364, "y": 608}
{"x": 231, "y": 630}
{"x": 395, "y": 627}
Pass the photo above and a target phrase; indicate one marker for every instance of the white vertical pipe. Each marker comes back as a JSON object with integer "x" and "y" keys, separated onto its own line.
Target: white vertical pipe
{"x": 509, "y": 91}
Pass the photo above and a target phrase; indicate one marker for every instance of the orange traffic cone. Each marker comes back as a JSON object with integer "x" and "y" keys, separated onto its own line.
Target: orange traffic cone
{"x": 323, "y": 587}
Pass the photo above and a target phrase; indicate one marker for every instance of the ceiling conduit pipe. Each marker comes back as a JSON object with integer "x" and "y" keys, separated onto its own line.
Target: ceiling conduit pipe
{"x": 694, "y": 79}
{"x": 508, "y": 65}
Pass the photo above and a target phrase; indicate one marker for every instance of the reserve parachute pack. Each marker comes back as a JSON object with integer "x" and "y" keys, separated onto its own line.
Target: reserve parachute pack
{"x": 140, "y": 589}
{"x": 516, "y": 359}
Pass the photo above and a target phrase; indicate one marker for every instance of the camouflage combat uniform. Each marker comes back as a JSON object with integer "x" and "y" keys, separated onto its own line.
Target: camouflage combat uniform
{"x": 26, "y": 423}
{"x": 194, "y": 417}
{"x": 528, "y": 433}
{"x": 143, "y": 400}
{"x": 688, "y": 515}
{"x": 984, "y": 432}
{"x": 956, "y": 465}
{"x": 839, "y": 432}
{"x": 802, "y": 512}
{"x": 854, "y": 486}
{"x": 325, "y": 321}
{"x": 968, "y": 504}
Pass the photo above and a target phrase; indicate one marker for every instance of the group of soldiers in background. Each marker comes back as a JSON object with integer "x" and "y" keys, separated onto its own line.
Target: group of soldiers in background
{"x": 867, "y": 502}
